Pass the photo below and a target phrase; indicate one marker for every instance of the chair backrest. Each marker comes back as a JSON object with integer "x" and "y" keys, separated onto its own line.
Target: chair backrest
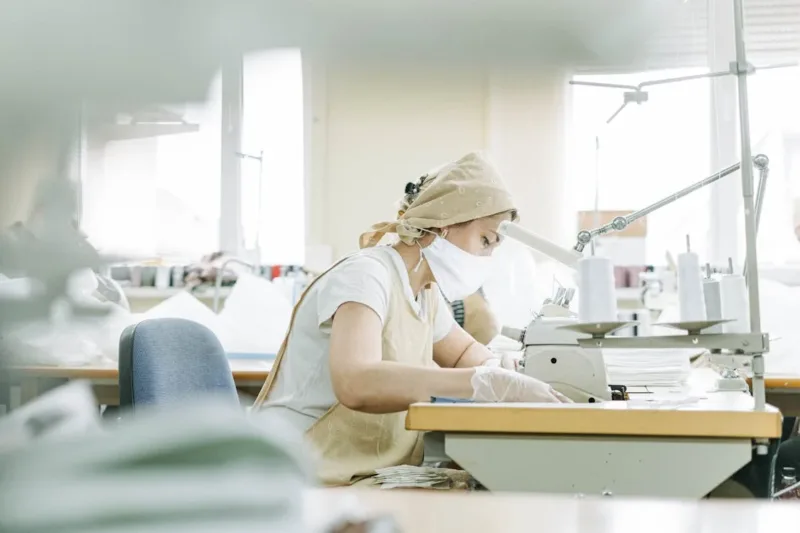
{"x": 167, "y": 360}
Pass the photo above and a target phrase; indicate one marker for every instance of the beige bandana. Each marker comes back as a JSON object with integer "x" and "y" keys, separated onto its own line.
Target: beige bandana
{"x": 469, "y": 189}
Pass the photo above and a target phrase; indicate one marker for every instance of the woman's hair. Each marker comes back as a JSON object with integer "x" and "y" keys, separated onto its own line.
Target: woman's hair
{"x": 413, "y": 190}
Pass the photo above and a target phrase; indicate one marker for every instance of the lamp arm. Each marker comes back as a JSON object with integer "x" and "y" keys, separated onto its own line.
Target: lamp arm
{"x": 761, "y": 162}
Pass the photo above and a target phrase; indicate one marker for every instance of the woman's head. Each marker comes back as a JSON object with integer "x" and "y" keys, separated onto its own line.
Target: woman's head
{"x": 478, "y": 237}
{"x": 452, "y": 215}
{"x": 464, "y": 201}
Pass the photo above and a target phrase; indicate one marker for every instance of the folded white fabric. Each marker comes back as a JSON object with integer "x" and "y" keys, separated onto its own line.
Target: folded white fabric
{"x": 648, "y": 367}
{"x": 423, "y": 477}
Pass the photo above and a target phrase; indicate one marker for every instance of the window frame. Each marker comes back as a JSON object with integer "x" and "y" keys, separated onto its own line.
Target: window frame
{"x": 725, "y": 200}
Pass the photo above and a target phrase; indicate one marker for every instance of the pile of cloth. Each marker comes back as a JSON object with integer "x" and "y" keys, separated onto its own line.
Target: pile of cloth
{"x": 425, "y": 477}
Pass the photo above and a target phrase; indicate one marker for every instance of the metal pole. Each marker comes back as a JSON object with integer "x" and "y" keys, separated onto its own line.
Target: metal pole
{"x": 741, "y": 71}
{"x": 260, "y": 205}
{"x": 230, "y": 224}
{"x": 762, "y": 163}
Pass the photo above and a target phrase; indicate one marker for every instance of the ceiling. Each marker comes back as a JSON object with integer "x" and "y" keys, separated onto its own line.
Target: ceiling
{"x": 151, "y": 50}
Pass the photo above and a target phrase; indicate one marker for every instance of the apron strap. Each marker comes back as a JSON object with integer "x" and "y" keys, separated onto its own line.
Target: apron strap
{"x": 273, "y": 373}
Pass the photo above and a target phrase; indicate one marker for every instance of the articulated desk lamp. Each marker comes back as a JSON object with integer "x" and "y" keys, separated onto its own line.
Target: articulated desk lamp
{"x": 753, "y": 344}
{"x": 555, "y": 333}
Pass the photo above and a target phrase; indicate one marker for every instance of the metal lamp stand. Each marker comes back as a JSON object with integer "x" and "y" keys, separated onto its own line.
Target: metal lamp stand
{"x": 754, "y": 344}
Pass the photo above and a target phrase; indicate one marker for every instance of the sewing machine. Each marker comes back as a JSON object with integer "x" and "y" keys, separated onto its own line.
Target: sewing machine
{"x": 552, "y": 354}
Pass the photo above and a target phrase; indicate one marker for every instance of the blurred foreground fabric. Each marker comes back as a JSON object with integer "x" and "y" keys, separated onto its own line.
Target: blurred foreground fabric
{"x": 202, "y": 467}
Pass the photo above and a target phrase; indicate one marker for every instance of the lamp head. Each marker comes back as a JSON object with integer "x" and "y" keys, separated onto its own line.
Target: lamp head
{"x": 552, "y": 250}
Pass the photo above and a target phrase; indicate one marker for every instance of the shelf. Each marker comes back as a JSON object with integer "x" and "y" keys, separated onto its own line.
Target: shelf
{"x": 124, "y": 132}
{"x": 152, "y": 293}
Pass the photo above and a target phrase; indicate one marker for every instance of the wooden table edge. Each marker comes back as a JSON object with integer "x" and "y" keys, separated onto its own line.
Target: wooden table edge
{"x": 639, "y": 422}
{"x": 105, "y": 373}
{"x": 779, "y": 382}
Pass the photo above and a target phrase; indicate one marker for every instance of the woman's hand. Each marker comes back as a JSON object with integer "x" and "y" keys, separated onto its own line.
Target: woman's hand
{"x": 509, "y": 361}
{"x": 495, "y": 384}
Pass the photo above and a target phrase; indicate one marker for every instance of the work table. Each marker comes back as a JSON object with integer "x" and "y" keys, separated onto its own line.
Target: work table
{"x": 431, "y": 511}
{"x": 612, "y": 418}
{"x": 713, "y": 414}
{"x": 20, "y": 384}
{"x": 682, "y": 444}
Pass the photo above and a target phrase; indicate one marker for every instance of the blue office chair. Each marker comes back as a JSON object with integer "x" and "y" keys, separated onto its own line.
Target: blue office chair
{"x": 168, "y": 360}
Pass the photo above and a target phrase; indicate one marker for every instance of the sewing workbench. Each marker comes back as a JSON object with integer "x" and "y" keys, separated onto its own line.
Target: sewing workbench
{"x": 661, "y": 443}
{"x": 20, "y": 384}
{"x": 783, "y": 391}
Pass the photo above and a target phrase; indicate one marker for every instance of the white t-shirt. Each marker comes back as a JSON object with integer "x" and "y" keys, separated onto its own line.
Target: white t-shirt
{"x": 303, "y": 391}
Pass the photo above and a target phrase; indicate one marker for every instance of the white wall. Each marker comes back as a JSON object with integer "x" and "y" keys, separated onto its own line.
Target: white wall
{"x": 526, "y": 136}
{"x": 372, "y": 131}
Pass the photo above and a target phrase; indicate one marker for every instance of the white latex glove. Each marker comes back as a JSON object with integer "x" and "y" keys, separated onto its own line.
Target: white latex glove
{"x": 509, "y": 361}
{"x": 494, "y": 384}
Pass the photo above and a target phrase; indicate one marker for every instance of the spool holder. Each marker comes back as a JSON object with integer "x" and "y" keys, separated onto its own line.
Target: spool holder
{"x": 598, "y": 330}
{"x": 738, "y": 343}
{"x": 599, "y": 336}
{"x": 694, "y": 327}
{"x": 735, "y": 343}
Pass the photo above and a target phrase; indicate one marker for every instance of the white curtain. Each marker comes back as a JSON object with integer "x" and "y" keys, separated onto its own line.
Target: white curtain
{"x": 774, "y": 121}
{"x": 156, "y": 195}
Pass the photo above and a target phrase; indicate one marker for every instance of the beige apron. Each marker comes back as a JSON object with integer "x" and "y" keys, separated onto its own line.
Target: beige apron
{"x": 352, "y": 445}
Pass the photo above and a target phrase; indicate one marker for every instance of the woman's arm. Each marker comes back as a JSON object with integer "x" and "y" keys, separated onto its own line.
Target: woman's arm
{"x": 459, "y": 350}
{"x": 363, "y": 382}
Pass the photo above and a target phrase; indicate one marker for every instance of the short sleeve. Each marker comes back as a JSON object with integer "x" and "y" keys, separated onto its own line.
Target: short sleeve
{"x": 360, "y": 279}
{"x": 443, "y": 322}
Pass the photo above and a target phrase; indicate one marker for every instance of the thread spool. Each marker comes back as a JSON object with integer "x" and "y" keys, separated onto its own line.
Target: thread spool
{"x": 645, "y": 320}
{"x": 690, "y": 288}
{"x": 735, "y": 304}
{"x": 712, "y": 295}
{"x": 598, "y": 298}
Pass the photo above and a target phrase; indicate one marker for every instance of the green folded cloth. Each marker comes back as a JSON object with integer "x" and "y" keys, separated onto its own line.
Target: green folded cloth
{"x": 198, "y": 468}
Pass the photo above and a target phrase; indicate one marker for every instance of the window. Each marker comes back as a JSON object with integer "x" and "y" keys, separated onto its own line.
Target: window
{"x": 151, "y": 183}
{"x": 152, "y": 178}
{"x": 775, "y": 131}
{"x": 646, "y": 152}
{"x": 273, "y": 207}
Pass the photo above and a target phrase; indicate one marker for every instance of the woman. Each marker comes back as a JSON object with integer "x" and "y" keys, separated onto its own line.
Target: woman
{"x": 474, "y": 316}
{"x": 373, "y": 334}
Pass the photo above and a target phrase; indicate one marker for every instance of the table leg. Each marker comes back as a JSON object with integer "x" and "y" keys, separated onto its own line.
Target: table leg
{"x": 5, "y": 397}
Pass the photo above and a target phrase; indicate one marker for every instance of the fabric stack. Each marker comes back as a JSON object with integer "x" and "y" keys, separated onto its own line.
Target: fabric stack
{"x": 423, "y": 477}
{"x": 633, "y": 368}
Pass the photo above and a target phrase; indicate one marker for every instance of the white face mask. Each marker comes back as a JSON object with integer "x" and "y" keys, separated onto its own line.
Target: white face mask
{"x": 457, "y": 273}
